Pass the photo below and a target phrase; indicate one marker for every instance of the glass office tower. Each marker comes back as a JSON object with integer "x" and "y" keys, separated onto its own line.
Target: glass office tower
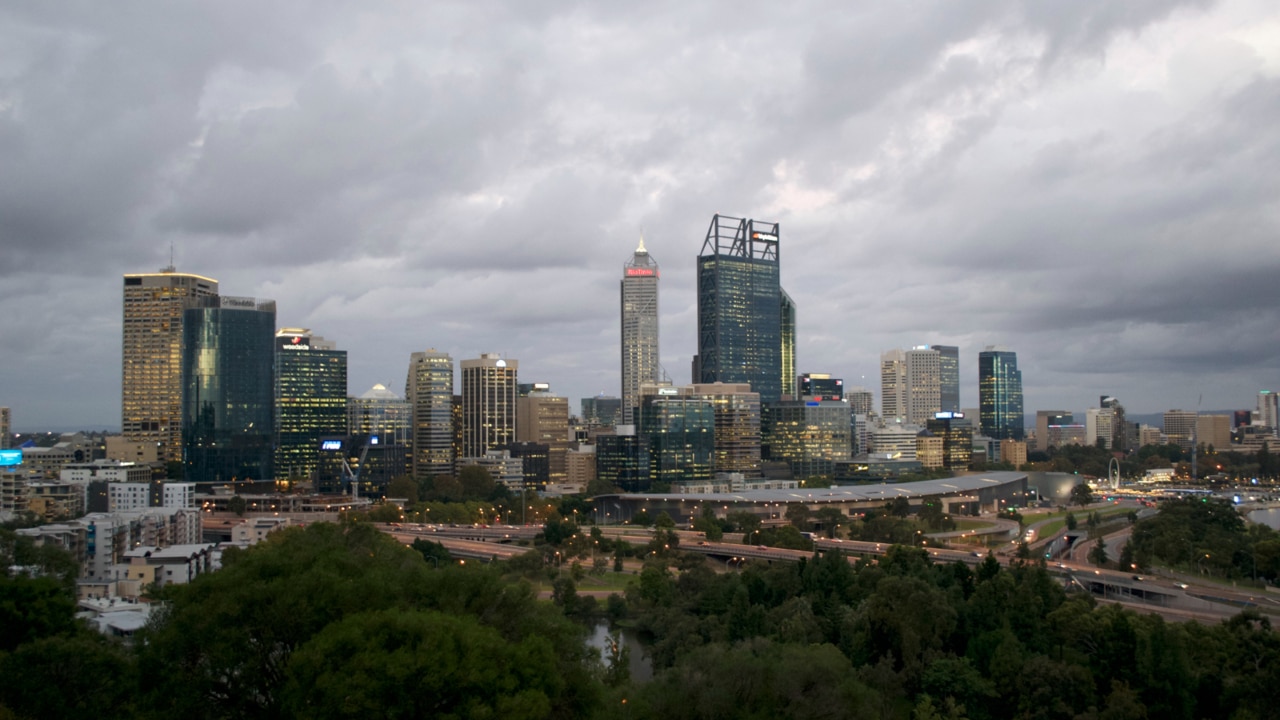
{"x": 681, "y": 438}
{"x": 311, "y": 399}
{"x": 949, "y": 377}
{"x": 228, "y": 399}
{"x": 741, "y": 308}
{"x": 1000, "y": 394}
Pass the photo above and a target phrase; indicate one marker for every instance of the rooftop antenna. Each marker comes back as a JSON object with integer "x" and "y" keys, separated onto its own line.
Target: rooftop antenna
{"x": 170, "y": 268}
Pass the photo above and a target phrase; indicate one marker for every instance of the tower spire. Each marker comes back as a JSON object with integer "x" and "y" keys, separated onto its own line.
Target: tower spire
{"x": 641, "y": 248}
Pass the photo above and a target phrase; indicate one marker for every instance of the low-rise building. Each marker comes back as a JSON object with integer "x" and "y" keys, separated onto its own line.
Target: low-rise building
{"x": 173, "y": 565}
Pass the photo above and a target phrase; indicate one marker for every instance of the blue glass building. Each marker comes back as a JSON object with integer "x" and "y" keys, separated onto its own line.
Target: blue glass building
{"x": 1000, "y": 394}
{"x": 228, "y": 399}
{"x": 746, "y": 323}
{"x": 680, "y": 434}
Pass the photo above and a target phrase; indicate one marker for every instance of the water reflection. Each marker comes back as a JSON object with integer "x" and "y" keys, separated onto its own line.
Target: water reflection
{"x": 640, "y": 667}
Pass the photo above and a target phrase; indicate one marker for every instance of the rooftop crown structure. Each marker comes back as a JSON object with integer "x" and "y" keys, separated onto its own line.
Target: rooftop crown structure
{"x": 746, "y": 323}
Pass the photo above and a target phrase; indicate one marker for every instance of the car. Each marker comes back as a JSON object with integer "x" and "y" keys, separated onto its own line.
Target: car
{"x": 1137, "y": 577}
{"x": 762, "y": 547}
{"x": 702, "y": 542}
{"x": 1181, "y": 585}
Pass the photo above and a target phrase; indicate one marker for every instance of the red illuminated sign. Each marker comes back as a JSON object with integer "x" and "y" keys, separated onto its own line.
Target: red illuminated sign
{"x": 640, "y": 272}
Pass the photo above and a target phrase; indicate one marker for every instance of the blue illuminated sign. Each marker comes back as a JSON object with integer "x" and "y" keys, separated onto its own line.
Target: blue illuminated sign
{"x": 9, "y": 458}
{"x": 330, "y": 444}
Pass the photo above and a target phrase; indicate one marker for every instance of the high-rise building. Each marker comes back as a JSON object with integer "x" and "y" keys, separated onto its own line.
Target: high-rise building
{"x": 820, "y": 385}
{"x": 382, "y": 415}
{"x": 429, "y": 390}
{"x": 1050, "y": 418}
{"x": 679, "y": 433}
{"x": 621, "y": 460}
{"x": 810, "y": 435}
{"x": 949, "y": 376}
{"x": 228, "y": 400}
{"x": 1213, "y": 431}
{"x": 1268, "y": 410}
{"x": 151, "y": 372}
{"x": 957, "y": 439}
{"x": 602, "y": 411}
{"x": 788, "y": 331}
{"x": 1099, "y": 426}
{"x": 1180, "y": 428}
{"x": 311, "y": 399}
{"x": 6, "y": 428}
{"x": 741, "y": 307}
{"x": 1000, "y": 394}
{"x": 861, "y": 400}
{"x": 488, "y": 404}
{"x": 737, "y": 425}
{"x": 893, "y": 386}
{"x": 910, "y": 384}
{"x": 640, "y": 363}
{"x": 543, "y": 418}
{"x": 924, "y": 384}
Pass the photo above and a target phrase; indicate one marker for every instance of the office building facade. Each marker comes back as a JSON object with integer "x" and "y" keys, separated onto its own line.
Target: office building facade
{"x": 741, "y": 307}
{"x": 488, "y": 404}
{"x": 1180, "y": 428}
{"x": 957, "y": 439}
{"x": 151, "y": 358}
{"x": 228, "y": 401}
{"x": 679, "y": 435}
{"x": 639, "y": 313}
{"x": 429, "y": 390}
{"x": 311, "y": 399}
{"x": 383, "y": 422}
{"x": 602, "y": 411}
{"x": 810, "y": 436}
{"x": 1000, "y": 394}
{"x": 949, "y": 377}
{"x": 737, "y": 425}
{"x": 543, "y": 418}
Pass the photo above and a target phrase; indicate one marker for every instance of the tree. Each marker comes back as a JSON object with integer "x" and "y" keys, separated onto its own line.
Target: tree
{"x": 237, "y": 505}
{"x": 1098, "y": 555}
{"x": 412, "y": 664}
{"x": 1072, "y": 523}
{"x": 899, "y": 507}
{"x": 798, "y": 515}
{"x": 403, "y": 486}
{"x": 476, "y": 482}
{"x": 709, "y": 525}
{"x": 1082, "y": 495}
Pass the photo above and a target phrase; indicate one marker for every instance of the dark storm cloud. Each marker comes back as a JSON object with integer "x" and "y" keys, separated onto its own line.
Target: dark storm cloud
{"x": 1090, "y": 183}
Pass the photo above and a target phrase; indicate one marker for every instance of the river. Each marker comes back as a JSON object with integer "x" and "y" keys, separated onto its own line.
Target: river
{"x": 1270, "y": 518}
{"x": 640, "y": 667}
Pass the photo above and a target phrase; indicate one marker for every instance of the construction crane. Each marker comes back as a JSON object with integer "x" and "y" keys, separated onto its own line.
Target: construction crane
{"x": 354, "y": 477}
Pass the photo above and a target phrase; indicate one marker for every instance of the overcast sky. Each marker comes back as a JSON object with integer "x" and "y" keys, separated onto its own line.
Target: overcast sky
{"x": 1092, "y": 184}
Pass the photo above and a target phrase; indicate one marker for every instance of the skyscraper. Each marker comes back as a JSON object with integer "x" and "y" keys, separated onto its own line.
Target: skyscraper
{"x": 893, "y": 386}
{"x": 429, "y": 390}
{"x": 151, "y": 367}
{"x": 679, "y": 432}
{"x": 1268, "y": 410}
{"x": 924, "y": 386}
{"x": 787, "y": 329}
{"x": 380, "y": 413}
{"x": 488, "y": 404}
{"x": 543, "y": 418}
{"x": 910, "y": 384}
{"x": 639, "y": 294}
{"x": 311, "y": 399}
{"x": 741, "y": 308}
{"x": 1180, "y": 428}
{"x": 1000, "y": 394}
{"x": 949, "y": 376}
{"x": 228, "y": 399}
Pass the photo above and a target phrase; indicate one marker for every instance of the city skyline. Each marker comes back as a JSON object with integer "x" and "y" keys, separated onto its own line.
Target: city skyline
{"x": 1086, "y": 186}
